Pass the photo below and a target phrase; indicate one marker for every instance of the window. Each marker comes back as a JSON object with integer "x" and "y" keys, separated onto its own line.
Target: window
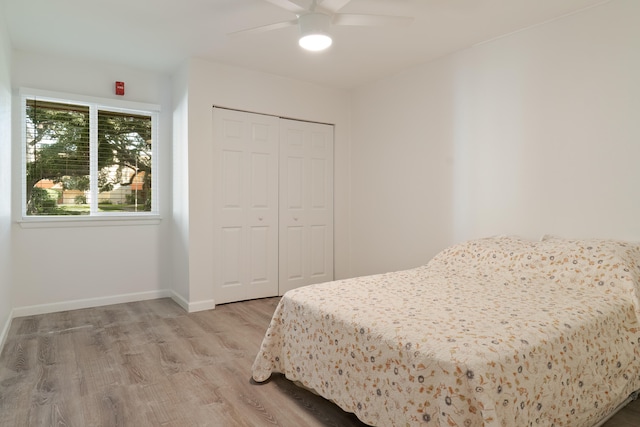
{"x": 88, "y": 158}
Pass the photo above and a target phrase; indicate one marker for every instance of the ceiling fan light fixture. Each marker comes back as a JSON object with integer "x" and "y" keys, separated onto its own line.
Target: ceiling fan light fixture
{"x": 314, "y": 31}
{"x": 315, "y": 42}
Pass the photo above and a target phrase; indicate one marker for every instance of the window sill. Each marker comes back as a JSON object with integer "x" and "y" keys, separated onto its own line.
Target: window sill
{"x": 94, "y": 221}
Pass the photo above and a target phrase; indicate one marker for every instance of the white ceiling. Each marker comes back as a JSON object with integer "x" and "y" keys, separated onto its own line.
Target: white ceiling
{"x": 162, "y": 34}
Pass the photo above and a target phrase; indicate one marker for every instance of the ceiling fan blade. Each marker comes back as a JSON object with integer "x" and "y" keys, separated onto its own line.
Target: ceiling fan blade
{"x": 263, "y": 28}
{"x": 288, "y": 5}
{"x": 371, "y": 20}
{"x": 333, "y": 5}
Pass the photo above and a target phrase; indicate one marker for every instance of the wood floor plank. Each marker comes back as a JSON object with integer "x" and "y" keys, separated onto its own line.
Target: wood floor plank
{"x": 150, "y": 363}
{"x": 113, "y": 406}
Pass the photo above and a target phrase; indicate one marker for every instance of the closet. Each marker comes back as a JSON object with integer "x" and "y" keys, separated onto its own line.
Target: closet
{"x": 272, "y": 204}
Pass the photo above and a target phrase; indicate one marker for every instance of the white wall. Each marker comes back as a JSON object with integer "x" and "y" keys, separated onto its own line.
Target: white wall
{"x": 5, "y": 182}
{"x": 226, "y": 86}
{"x": 180, "y": 197}
{"x": 536, "y": 132}
{"x": 401, "y": 164}
{"x": 59, "y": 268}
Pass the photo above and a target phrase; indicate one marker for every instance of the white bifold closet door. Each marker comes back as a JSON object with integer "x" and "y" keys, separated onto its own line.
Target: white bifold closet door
{"x": 245, "y": 183}
{"x": 272, "y": 204}
{"x": 306, "y": 204}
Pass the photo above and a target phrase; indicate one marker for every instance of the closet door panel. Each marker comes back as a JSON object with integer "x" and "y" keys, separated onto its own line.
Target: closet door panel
{"x": 319, "y": 195}
{"x": 245, "y": 194}
{"x": 231, "y": 240}
{"x": 294, "y": 243}
{"x": 295, "y": 183}
{"x": 306, "y": 204}
{"x": 259, "y": 180}
{"x": 231, "y": 179}
{"x": 319, "y": 252}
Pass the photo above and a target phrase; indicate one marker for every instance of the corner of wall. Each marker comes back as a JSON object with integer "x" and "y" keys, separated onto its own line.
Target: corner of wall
{"x": 5, "y": 331}
{"x": 6, "y": 280}
{"x": 192, "y": 307}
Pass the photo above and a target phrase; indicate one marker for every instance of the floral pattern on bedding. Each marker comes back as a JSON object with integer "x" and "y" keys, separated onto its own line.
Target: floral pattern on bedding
{"x": 491, "y": 332}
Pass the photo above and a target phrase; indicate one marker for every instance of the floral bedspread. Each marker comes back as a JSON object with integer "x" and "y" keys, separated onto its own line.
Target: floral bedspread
{"x": 491, "y": 332}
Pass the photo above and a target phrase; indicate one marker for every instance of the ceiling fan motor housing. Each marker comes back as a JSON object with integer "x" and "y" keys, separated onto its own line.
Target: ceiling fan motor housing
{"x": 315, "y": 28}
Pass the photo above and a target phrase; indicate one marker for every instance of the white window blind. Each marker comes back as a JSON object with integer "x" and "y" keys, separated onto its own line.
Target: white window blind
{"x": 89, "y": 159}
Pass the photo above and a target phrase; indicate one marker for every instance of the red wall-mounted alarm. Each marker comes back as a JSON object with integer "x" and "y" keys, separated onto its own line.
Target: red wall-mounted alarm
{"x": 119, "y": 88}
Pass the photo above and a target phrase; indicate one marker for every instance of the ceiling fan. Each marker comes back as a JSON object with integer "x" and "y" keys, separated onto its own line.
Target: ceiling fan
{"x": 315, "y": 21}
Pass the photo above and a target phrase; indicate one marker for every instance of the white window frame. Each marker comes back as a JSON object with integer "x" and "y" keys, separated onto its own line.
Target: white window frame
{"x": 95, "y": 218}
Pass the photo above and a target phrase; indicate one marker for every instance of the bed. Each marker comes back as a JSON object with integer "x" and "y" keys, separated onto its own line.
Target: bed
{"x": 491, "y": 332}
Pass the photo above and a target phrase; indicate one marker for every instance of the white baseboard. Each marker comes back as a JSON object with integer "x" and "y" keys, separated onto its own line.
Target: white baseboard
{"x": 178, "y": 299}
{"x": 31, "y": 310}
{"x": 192, "y": 307}
{"x": 201, "y": 306}
{"x": 90, "y": 302}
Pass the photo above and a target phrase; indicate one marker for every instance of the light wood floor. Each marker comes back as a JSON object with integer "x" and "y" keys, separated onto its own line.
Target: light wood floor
{"x": 151, "y": 364}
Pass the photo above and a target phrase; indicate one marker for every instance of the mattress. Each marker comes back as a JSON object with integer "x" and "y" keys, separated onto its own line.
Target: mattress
{"x": 490, "y": 332}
